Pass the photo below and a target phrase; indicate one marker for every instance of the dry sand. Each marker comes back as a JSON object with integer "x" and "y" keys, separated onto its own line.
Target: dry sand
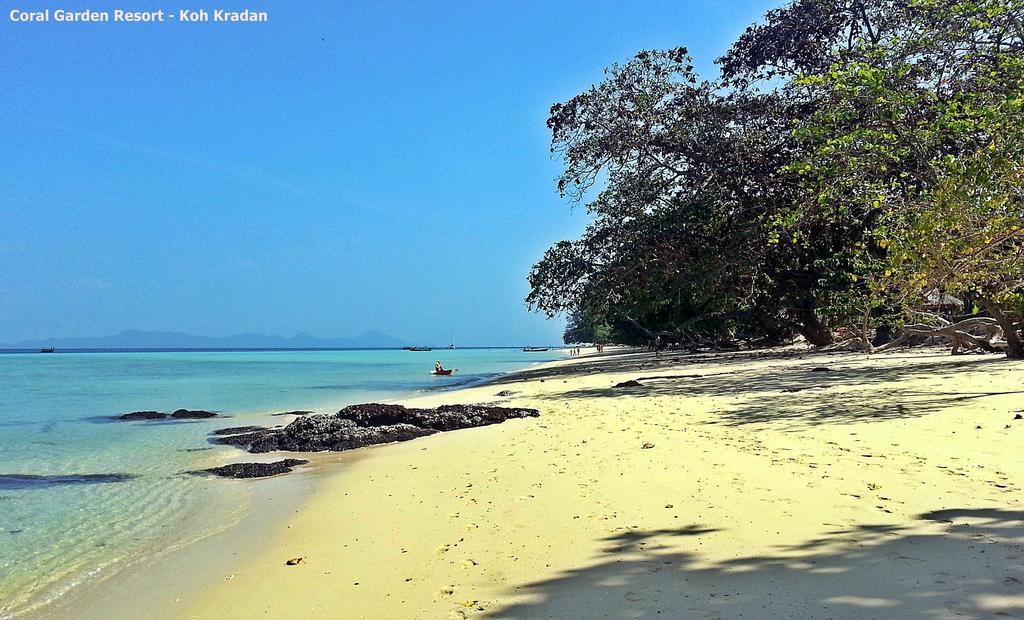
{"x": 884, "y": 487}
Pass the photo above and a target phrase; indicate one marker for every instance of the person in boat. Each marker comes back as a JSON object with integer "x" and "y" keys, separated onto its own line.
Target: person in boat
{"x": 438, "y": 368}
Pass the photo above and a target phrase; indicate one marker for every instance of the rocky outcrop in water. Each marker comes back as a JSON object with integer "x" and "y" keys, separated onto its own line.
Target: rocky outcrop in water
{"x": 180, "y": 414}
{"x": 188, "y": 414}
{"x": 143, "y": 415}
{"x": 251, "y": 470}
{"x": 19, "y": 482}
{"x": 237, "y": 430}
{"x": 369, "y": 424}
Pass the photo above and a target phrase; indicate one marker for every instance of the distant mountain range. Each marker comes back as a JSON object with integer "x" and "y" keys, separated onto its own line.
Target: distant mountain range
{"x": 134, "y": 339}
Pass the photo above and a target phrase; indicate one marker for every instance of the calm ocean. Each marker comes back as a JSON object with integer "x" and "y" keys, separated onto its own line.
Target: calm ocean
{"x": 80, "y": 493}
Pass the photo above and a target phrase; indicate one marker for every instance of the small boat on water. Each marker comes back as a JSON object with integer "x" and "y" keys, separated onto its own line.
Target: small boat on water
{"x": 443, "y": 372}
{"x": 417, "y": 349}
{"x": 535, "y": 349}
{"x": 47, "y": 350}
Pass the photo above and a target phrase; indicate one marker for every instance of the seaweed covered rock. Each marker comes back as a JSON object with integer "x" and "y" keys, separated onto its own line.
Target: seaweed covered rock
{"x": 188, "y": 414}
{"x": 322, "y": 433}
{"x": 357, "y": 426}
{"x": 180, "y": 414}
{"x": 251, "y": 470}
{"x": 237, "y": 430}
{"x": 330, "y": 433}
{"x": 143, "y": 415}
{"x": 242, "y": 440}
{"x": 443, "y": 418}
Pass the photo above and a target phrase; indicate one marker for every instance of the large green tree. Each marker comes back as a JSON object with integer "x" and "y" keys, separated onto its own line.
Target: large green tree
{"x": 856, "y": 159}
{"x": 682, "y": 241}
{"x": 917, "y": 136}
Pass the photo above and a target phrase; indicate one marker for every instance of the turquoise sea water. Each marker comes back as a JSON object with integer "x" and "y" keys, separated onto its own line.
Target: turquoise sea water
{"x": 81, "y": 494}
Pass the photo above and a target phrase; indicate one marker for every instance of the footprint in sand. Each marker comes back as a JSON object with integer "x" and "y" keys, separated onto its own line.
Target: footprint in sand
{"x": 465, "y": 607}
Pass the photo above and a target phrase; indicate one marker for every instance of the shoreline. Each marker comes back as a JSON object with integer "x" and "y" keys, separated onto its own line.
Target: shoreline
{"x": 570, "y": 513}
{"x": 186, "y": 568}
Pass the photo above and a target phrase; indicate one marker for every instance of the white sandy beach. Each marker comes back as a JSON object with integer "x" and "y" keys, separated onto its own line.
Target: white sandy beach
{"x": 887, "y": 486}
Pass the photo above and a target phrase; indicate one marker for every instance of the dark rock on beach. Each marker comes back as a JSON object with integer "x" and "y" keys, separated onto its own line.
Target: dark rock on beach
{"x": 143, "y": 415}
{"x": 241, "y": 440}
{"x": 443, "y": 418}
{"x": 251, "y": 470}
{"x": 237, "y": 430}
{"x": 188, "y": 414}
{"x": 324, "y": 433}
{"x": 370, "y": 424}
{"x": 630, "y": 383}
{"x": 294, "y": 413}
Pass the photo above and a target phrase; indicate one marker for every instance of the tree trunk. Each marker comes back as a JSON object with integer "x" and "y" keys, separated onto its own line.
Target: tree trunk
{"x": 883, "y": 335}
{"x": 1014, "y": 346}
{"x": 811, "y": 328}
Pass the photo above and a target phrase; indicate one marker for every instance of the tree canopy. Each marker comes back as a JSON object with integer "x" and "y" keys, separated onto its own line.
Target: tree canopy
{"x": 854, "y": 160}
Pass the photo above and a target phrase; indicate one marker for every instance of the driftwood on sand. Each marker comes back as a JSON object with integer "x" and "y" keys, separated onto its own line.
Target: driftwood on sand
{"x": 993, "y": 334}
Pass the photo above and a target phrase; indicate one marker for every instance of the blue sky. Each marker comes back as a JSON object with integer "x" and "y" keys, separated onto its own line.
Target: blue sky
{"x": 348, "y": 166}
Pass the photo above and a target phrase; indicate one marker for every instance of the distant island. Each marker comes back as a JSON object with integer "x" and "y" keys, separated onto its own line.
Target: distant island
{"x": 136, "y": 339}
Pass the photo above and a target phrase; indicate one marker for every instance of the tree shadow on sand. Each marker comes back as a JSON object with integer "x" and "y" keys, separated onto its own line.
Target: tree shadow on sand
{"x": 649, "y": 362}
{"x": 806, "y": 393}
{"x": 965, "y": 563}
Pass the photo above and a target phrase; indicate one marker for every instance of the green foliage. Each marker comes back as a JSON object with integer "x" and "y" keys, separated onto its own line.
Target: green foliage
{"x": 680, "y": 238}
{"x": 919, "y": 135}
{"x": 856, "y": 158}
{"x": 582, "y": 328}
